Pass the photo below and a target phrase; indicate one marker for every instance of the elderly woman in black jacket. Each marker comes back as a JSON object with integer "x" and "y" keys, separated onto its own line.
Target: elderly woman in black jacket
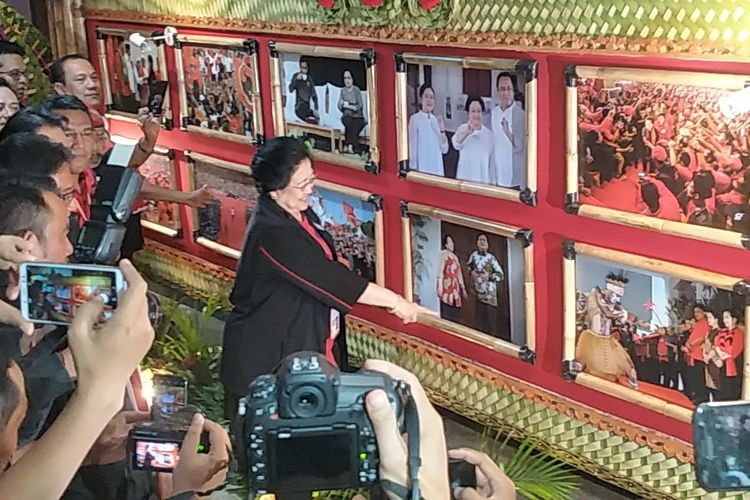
{"x": 290, "y": 292}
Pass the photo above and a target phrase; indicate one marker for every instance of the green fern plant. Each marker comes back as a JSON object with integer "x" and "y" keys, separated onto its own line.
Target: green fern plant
{"x": 537, "y": 475}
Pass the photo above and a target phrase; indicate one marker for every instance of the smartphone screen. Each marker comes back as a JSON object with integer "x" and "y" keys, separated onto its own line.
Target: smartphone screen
{"x": 156, "y": 93}
{"x": 52, "y": 293}
{"x": 721, "y": 438}
{"x": 156, "y": 455}
{"x": 170, "y": 394}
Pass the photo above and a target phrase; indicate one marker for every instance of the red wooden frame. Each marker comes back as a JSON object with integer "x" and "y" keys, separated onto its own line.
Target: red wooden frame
{"x": 548, "y": 220}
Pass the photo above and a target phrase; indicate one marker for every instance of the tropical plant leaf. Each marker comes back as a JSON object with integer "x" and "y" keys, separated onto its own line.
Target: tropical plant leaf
{"x": 538, "y": 476}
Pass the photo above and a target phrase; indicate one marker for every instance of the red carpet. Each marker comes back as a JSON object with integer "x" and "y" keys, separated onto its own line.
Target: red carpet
{"x": 671, "y": 395}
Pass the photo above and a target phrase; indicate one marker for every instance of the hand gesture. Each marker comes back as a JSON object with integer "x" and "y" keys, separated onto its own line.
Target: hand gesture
{"x": 199, "y": 198}
{"x": 392, "y": 446}
{"x": 150, "y": 125}
{"x": 13, "y": 251}
{"x": 110, "y": 446}
{"x": 441, "y": 123}
{"x": 409, "y": 312}
{"x": 506, "y": 128}
{"x": 106, "y": 355}
{"x": 11, "y": 316}
{"x": 202, "y": 471}
{"x": 492, "y": 483}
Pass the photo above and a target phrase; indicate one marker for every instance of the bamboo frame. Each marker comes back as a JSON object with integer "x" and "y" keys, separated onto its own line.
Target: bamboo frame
{"x": 376, "y": 201}
{"x": 372, "y": 164}
{"x": 693, "y": 231}
{"x": 219, "y": 42}
{"x": 722, "y": 281}
{"x": 527, "y": 195}
{"x": 526, "y": 351}
{"x": 192, "y": 157}
{"x": 102, "y": 33}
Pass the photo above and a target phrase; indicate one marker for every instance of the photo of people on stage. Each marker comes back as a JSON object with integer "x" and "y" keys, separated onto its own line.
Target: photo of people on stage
{"x": 158, "y": 169}
{"x": 56, "y": 293}
{"x": 156, "y": 455}
{"x": 663, "y": 150}
{"x": 220, "y": 89}
{"x": 469, "y": 277}
{"x": 351, "y": 222}
{"x": 132, "y": 71}
{"x": 467, "y": 124}
{"x": 326, "y": 101}
{"x": 678, "y": 340}
{"x": 225, "y": 218}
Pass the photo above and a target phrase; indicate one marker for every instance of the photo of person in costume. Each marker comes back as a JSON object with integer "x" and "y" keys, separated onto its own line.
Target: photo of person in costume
{"x": 326, "y": 102}
{"x": 663, "y": 150}
{"x": 225, "y": 218}
{"x": 467, "y": 124}
{"x": 469, "y": 277}
{"x": 674, "y": 339}
{"x": 159, "y": 170}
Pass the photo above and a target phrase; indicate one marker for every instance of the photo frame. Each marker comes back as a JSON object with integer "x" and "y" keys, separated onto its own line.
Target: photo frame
{"x": 219, "y": 87}
{"x": 657, "y": 150}
{"x": 458, "y": 122}
{"x": 685, "y": 347}
{"x": 128, "y": 73}
{"x": 354, "y": 218}
{"x": 162, "y": 217}
{"x": 339, "y": 120}
{"x": 221, "y": 226}
{"x": 446, "y": 253}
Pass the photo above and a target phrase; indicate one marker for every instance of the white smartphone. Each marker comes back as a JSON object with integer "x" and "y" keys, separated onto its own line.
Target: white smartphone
{"x": 51, "y": 293}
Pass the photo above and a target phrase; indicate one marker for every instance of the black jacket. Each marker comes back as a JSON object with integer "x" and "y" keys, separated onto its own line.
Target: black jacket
{"x": 282, "y": 296}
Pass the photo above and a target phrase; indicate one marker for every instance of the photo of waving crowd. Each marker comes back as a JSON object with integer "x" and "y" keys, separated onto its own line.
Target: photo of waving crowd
{"x": 351, "y": 222}
{"x": 468, "y": 124}
{"x": 678, "y": 340}
{"x": 663, "y": 150}
{"x": 133, "y": 71}
{"x": 220, "y": 89}
{"x": 225, "y": 218}
{"x": 469, "y": 277}
{"x": 326, "y": 102}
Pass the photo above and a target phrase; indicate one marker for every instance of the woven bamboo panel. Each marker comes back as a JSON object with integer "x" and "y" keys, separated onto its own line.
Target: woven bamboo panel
{"x": 645, "y": 462}
{"x": 717, "y": 23}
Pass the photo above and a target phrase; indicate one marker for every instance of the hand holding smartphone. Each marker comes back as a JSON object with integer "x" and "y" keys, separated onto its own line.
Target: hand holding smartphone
{"x": 51, "y": 293}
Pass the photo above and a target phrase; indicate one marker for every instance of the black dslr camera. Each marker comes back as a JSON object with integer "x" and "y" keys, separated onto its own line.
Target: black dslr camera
{"x": 101, "y": 237}
{"x": 155, "y": 445}
{"x": 306, "y": 428}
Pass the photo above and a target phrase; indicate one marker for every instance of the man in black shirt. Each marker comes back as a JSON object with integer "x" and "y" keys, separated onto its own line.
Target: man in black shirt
{"x": 302, "y": 84}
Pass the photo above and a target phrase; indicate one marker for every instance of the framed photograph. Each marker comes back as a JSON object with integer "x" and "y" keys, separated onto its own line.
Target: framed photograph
{"x": 662, "y": 335}
{"x": 219, "y": 87}
{"x": 221, "y": 225}
{"x": 161, "y": 216}
{"x": 132, "y": 75}
{"x": 328, "y": 97}
{"x": 354, "y": 219}
{"x": 477, "y": 275}
{"x": 660, "y": 150}
{"x": 468, "y": 124}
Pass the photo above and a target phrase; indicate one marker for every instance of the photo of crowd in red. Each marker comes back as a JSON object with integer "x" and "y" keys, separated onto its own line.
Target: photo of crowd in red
{"x": 663, "y": 150}
{"x": 225, "y": 218}
{"x": 156, "y": 455}
{"x": 219, "y": 89}
{"x": 159, "y": 170}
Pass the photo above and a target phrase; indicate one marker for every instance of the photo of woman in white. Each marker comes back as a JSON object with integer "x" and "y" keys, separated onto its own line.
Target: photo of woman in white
{"x": 352, "y": 117}
{"x": 427, "y": 140}
{"x": 474, "y": 142}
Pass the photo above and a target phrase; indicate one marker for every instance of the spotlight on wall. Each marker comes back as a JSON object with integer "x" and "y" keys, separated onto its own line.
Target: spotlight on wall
{"x": 736, "y": 103}
{"x": 167, "y": 35}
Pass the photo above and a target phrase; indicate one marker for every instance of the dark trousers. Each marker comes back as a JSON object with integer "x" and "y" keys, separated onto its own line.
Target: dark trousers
{"x": 486, "y": 318}
{"x": 697, "y": 376}
{"x": 304, "y": 112}
{"x": 731, "y": 388}
{"x": 449, "y": 312}
{"x": 353, "y": 125}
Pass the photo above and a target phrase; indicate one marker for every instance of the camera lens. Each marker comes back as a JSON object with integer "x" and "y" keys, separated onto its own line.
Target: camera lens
{"x": 306, "y": 401}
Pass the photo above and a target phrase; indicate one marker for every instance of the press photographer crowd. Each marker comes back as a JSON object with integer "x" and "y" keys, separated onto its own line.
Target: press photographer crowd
{"x": 76, "y": 322}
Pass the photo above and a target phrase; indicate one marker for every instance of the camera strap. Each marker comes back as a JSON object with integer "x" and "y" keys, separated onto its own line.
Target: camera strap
{"x": 411, "y": 426}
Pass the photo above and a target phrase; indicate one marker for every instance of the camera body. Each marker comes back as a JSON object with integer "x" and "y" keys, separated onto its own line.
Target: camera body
{"x": 155, "y": 445}
{"x": 306, "y": 428}
{"x": 101, "y": 237}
